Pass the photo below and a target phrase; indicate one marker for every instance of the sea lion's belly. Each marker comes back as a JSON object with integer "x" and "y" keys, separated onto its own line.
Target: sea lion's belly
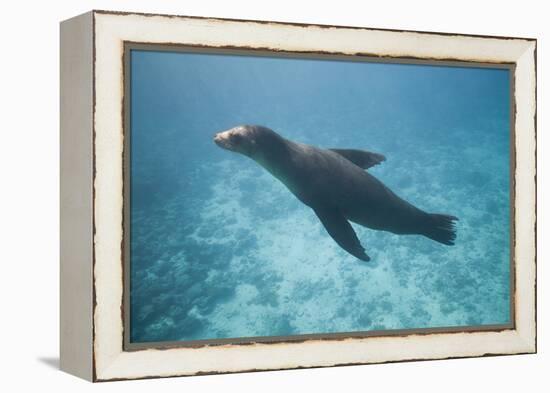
{"x": 328, "y": 180}
{"x": 373, "y": 205}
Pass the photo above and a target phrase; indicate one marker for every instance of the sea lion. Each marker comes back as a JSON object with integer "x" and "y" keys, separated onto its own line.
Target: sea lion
{"x": 334, "y": 183}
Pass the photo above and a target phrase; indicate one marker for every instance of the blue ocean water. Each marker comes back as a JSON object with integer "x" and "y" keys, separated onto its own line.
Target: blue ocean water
{"x": 221, "y": 249}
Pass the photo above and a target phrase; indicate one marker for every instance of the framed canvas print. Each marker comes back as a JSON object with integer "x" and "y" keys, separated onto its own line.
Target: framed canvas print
{"x": 245, "y": 195}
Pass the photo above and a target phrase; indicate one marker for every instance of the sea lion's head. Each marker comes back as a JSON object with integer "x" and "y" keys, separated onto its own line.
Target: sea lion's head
{"x": 246, "y": 139}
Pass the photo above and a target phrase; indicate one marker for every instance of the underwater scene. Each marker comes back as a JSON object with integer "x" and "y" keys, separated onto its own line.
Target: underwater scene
{"x": 220, "y": 248}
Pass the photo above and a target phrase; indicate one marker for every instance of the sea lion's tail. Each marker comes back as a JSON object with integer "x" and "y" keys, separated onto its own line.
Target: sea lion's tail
{"x": 441, "y": 228}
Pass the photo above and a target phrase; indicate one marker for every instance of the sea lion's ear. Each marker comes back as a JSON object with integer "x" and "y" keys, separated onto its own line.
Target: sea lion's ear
{"x": 362, "y": 158}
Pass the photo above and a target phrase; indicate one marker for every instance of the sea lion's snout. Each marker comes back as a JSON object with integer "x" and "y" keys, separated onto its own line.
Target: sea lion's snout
{"x": 219, "y": 139}
{"x": 225, "y": 139}
{"x": 233, "y": 139}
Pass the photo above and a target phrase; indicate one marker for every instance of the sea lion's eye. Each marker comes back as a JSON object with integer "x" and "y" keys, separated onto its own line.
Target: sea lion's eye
{"x": 237, "y": 138}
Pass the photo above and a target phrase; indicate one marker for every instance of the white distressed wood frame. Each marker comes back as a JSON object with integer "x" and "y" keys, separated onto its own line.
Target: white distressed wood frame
{"x": 92, "y": 91}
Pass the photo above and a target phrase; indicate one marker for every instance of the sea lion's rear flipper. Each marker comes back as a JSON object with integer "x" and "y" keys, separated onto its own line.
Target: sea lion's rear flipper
{"x": 441, "y": 228}
{"x": 342, "y": 232}
{"x": 362, "y": 158}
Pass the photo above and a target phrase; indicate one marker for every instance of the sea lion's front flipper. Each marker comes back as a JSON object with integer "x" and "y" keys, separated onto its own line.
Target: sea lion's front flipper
{"x": 362, "y": 158}
{"x": 342, "y": 232}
